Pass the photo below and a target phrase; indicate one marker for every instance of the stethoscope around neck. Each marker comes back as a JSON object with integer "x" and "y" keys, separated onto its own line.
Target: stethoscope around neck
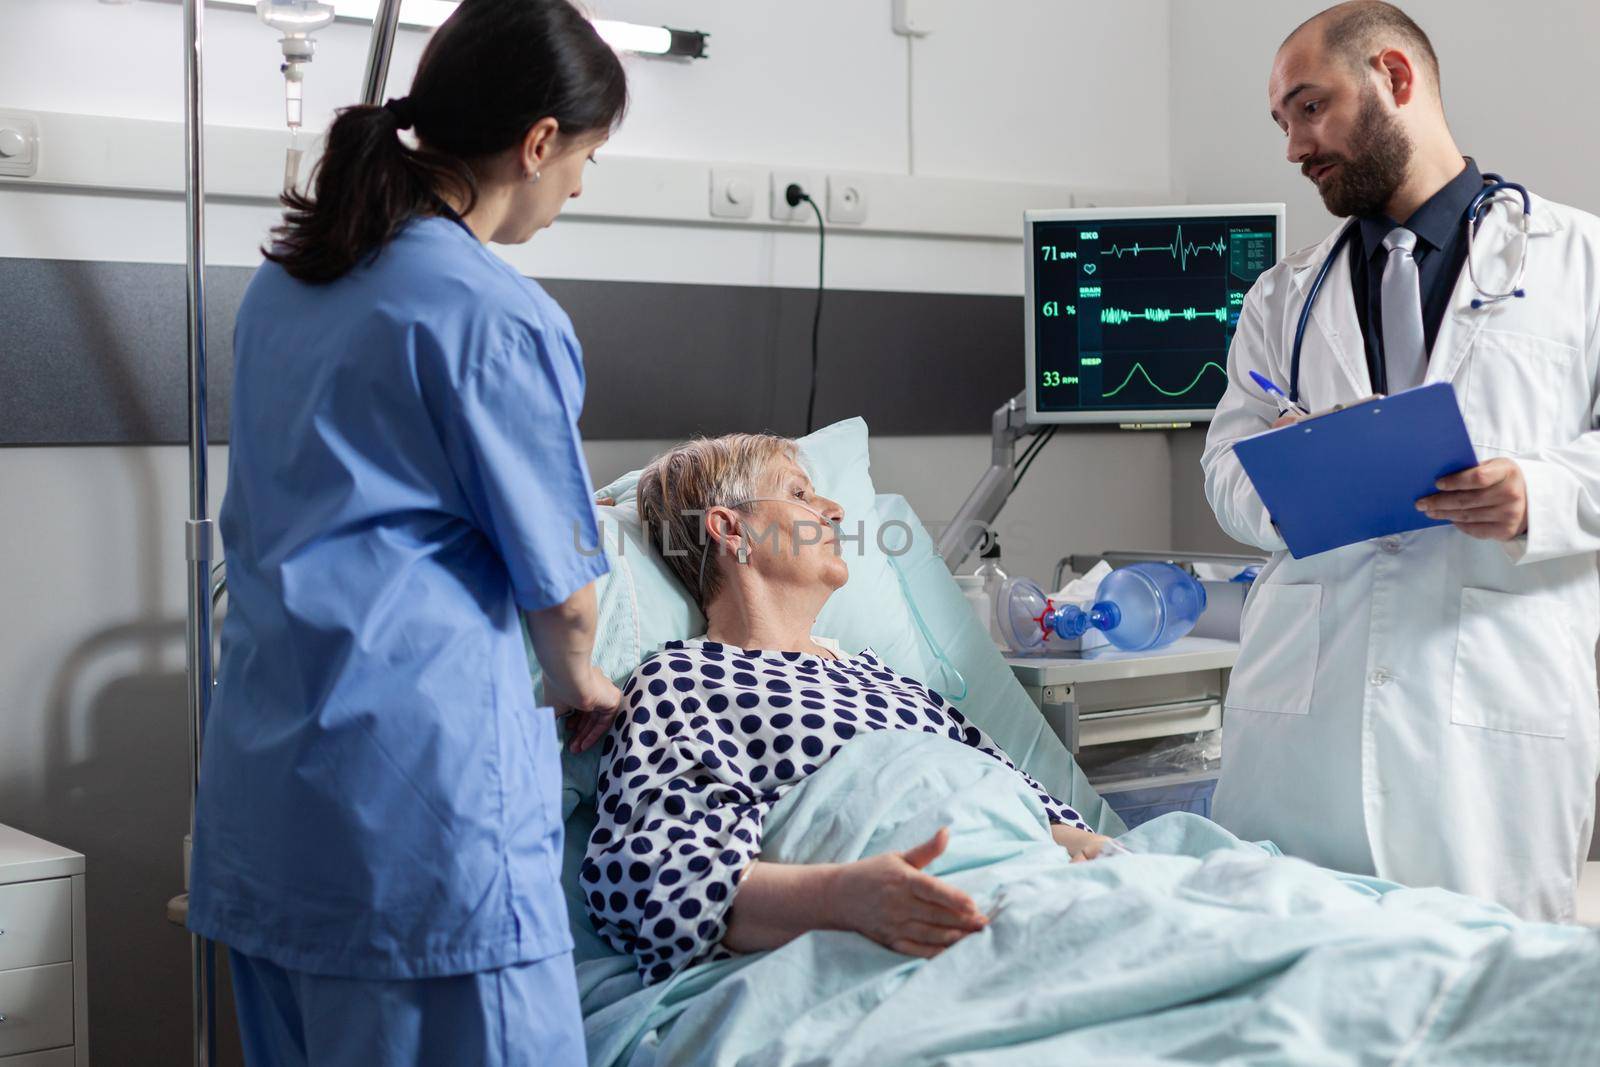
{"x": 1495, "y": 190}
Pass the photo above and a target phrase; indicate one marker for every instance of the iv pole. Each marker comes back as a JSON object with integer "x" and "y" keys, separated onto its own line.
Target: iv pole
{"x": 199, "y": 529}
{"x": 384, "y": 23}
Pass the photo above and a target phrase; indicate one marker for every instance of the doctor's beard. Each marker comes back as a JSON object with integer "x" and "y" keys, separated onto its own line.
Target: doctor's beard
{"x": 1368, "y": 176}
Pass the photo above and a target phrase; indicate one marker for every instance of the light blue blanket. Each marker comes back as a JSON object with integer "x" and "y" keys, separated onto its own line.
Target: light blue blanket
{"x": 1197, "y": 949}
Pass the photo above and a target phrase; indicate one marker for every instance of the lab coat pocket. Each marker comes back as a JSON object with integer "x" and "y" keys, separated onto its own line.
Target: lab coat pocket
{"x": 1281, "y": 635}
{"x": 1516, "y": 665}
{"x": 1517, "y": 391}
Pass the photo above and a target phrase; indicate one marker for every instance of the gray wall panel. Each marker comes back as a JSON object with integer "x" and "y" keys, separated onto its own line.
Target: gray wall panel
{"x": 94, "y": 354}
{"x": 909, "y": 363}
{"x": 667, "y": 361}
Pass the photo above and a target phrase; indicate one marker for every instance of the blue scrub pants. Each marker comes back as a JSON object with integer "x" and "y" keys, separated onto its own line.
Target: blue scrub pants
{"x": 518, "y": 1016}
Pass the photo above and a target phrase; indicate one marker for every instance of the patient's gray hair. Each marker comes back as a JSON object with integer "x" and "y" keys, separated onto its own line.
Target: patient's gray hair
{"x": 679, "y": 485}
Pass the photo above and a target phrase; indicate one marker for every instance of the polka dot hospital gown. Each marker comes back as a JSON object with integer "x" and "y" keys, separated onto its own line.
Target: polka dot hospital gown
{"x": 710, "y": 737}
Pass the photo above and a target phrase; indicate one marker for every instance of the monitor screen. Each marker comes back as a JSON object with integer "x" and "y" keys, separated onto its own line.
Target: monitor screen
{"x": 1130, "y": 311}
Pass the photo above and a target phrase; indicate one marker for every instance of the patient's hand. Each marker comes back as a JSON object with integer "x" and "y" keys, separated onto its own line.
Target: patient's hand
{"x": 1083, "y": 844}
{"x": 890, "y": 899}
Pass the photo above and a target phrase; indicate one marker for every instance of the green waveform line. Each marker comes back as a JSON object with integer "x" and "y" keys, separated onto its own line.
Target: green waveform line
{"x": 1138, "y": 368}
{"x": 1118, "y": 316}
{"x": 1178, "y": 249}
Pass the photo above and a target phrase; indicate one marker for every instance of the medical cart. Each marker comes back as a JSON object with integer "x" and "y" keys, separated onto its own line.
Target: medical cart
{"x": 44, "y": 968}
{"x": 1142, "y": 725}
{"x": 1107, "y": 695}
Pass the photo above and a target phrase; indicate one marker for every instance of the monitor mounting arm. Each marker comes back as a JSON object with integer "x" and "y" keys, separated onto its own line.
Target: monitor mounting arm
{"x": 970, "y": 526}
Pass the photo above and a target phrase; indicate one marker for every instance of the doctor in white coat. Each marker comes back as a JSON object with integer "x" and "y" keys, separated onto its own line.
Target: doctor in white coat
{"x": 1423, "y": 706}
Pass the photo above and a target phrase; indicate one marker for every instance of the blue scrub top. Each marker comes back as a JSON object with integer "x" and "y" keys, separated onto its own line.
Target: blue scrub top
{"x": 379, "y": 795}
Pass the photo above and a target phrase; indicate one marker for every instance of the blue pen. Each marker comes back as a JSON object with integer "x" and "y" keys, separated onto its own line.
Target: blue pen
{"x": 1285, "y": 405}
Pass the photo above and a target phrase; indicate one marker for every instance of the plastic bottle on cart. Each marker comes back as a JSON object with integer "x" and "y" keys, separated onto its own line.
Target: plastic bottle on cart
{"x": 992, "y": 576}
{"x": 972, "y": 588}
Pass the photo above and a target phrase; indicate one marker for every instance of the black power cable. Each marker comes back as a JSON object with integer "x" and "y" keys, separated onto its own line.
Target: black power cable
{"x": 1035, "y": 442}
{"x": 794, "y": 195}
{"x": 1038, "y": 440}
{"x": 1031, "y": 453}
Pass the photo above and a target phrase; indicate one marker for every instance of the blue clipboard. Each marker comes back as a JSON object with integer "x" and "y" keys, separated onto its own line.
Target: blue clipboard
{"x": 1355, "y": 474}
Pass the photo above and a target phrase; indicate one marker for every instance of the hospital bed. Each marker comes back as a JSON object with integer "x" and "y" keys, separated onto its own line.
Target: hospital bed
{"x": 1197, "y": 948}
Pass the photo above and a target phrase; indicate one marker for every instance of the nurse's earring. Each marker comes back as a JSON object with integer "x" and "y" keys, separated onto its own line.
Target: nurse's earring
{"x": 535, "y": 179}
{"x": 742, "y": 554}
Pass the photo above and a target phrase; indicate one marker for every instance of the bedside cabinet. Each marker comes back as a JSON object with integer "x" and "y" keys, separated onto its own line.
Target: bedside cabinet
{"x": 44, "y": 1009}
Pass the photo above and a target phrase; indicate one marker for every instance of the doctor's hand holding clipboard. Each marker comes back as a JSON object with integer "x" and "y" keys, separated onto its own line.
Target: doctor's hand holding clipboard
{"x": 1489, "y": 501}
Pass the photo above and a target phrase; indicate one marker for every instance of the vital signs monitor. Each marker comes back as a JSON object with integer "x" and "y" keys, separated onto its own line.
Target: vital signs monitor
{"x": 1130, "y": 311}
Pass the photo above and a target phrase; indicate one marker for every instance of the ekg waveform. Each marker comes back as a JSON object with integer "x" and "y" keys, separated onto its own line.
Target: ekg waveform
{"x": 1177, "y": 248}
{"x": 1138, "y": 368}
{"x": 1119, "y": 316}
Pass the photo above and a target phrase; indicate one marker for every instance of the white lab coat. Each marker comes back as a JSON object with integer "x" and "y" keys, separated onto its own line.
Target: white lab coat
{"x": 1423, "y": 707}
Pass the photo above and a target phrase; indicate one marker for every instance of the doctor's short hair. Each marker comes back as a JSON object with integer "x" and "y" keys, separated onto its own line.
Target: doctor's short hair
{"x": 680, "y": 484}
{"x": 1356, "y": 31}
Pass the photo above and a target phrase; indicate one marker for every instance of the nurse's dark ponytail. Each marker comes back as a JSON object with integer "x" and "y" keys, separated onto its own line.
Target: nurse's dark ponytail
{"x": 493, "y": 70}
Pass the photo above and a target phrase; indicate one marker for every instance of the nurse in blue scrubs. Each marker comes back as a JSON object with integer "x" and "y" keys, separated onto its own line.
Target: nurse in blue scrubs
{"x": 378, "y": 832}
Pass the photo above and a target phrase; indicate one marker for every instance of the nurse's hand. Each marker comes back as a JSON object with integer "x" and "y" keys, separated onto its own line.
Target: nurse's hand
{"x": 1489, "y": 501}
{"x": 588, "y": 708}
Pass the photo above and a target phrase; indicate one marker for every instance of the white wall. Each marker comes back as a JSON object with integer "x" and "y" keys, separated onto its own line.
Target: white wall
{"x": 91, "y": 564}
{"x": 1067, "y": 91}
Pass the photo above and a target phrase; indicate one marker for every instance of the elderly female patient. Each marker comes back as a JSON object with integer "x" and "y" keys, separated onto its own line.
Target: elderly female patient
{"x": 713, "y": 732}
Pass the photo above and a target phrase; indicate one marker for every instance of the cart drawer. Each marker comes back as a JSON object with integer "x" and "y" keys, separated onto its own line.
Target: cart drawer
{"x": 37, "y": 1005}
{"x": 36, "y": 920}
